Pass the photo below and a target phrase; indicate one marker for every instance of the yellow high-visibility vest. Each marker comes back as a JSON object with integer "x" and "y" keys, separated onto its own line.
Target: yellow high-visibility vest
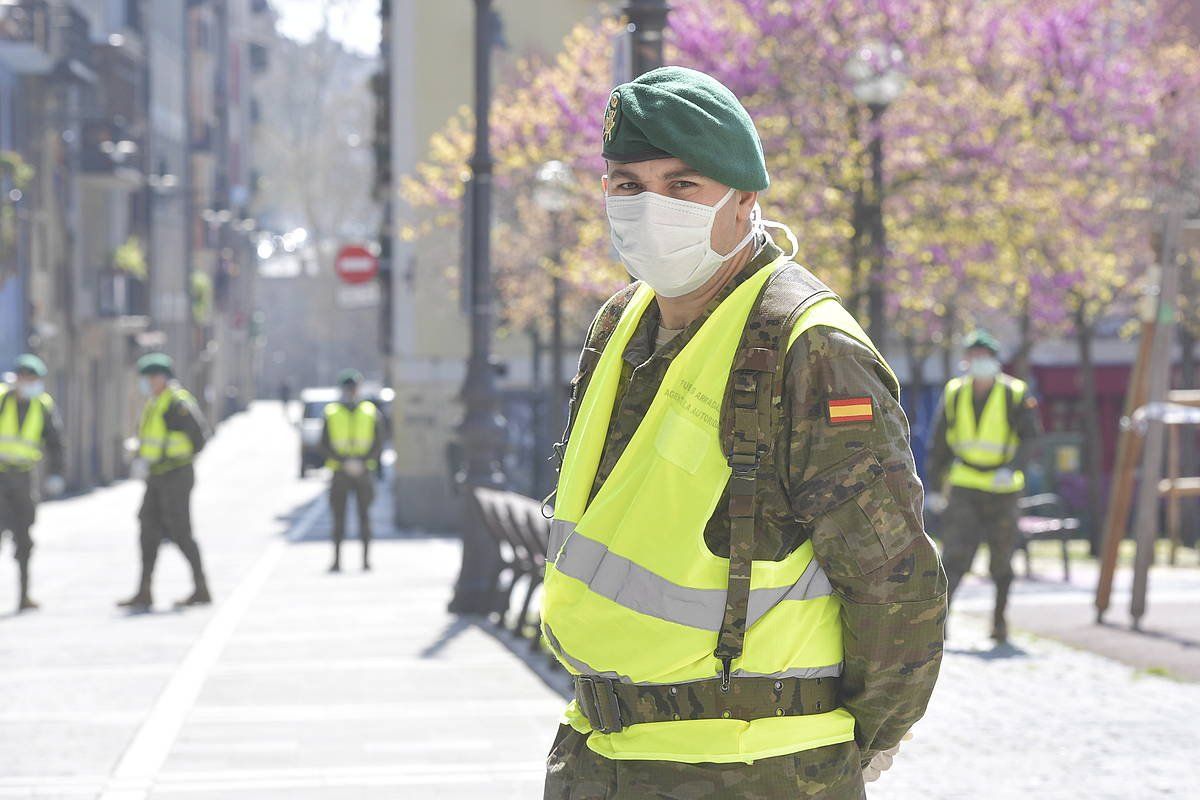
{"x": 164, "y": 449}
{"x": 351, "y": 431}
{"x": 21, "y": 441}
{"x": 985, "y": 445}
{"x": 633, "y": 593}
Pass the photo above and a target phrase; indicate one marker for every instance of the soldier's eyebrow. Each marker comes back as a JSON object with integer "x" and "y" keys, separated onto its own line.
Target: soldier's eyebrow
{"x": 623, "y": 174}
{"x": 682, "y": 172}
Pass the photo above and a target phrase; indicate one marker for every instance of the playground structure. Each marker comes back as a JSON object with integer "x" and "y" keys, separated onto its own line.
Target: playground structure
{"x": 1150, "y": 409}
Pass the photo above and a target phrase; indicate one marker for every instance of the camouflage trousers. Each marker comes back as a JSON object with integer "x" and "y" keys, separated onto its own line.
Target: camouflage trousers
{"x": 574, "y": 772}
{"x": 972, "y": 517}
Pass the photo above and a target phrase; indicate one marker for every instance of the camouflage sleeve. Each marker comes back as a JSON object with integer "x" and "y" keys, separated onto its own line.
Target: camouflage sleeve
{"x": 853, "y": 484}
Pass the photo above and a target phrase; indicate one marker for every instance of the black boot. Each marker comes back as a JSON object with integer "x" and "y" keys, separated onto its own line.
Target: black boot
{"x": 999, "y": 626}
{"x": 366, "y": 556}
{"x": 25, "y": 603}
{"x": 199, "y": 597}
{"x": 139, "y": 602}
{"x": 336, "y": 566}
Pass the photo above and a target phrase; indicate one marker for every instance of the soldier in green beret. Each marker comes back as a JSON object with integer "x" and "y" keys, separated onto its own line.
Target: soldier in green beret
{"x": 985, "y": 429}
{"x": 352, "y": 441}
{"x": 738, "y": 578}
{"x": 172, "y": 432}
{"x": 30, "y": 430}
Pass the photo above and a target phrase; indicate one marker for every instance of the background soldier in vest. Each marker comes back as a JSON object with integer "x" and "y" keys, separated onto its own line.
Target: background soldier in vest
{"x": 985, "y": 429}
{"x": 785, "y": 482}
{"x": 171, "y": 433}
{"x": 352, "y": 441}
{"x": 29, "y": 428}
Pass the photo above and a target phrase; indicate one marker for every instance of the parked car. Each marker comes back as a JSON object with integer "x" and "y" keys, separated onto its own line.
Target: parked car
{"x": 312, "y": 422}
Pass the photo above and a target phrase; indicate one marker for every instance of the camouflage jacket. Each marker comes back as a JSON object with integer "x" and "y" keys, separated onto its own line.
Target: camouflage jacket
{"x": 882, "y": 565}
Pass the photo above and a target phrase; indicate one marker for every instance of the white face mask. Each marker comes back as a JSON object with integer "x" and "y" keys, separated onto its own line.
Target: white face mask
{"x": 30, "y": 389}
{"x": 144, "y": 386}
{"x": 983, "y": 368}
{"x": 667, "y": 242}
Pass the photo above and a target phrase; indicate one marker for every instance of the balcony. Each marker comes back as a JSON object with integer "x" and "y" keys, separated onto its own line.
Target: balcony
{"x": 119, "y": 294}
{"x": 70, "y": 38}
{"x": 25, "y": 39}
{"x": 110, "y": 153}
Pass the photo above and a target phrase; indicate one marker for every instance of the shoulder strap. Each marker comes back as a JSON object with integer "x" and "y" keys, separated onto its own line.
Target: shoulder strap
{"x": 749, "y": 419}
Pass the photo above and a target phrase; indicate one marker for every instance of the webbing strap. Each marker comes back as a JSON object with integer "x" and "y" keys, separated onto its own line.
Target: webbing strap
{"x": 611, "y": 706}
{"x": 750, "y": 414}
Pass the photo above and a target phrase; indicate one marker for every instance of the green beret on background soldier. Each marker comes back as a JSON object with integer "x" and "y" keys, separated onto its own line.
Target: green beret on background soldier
{"x": 171, "y": 433}
{"x": 352, "y": 441}
{"x": 739, "y": 580}
{"x": 984, "y": 431}
{"x": 30, "y": 436}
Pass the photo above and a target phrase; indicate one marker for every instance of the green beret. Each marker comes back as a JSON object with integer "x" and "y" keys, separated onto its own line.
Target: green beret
{"x": 981, "y": 338}
{"x": 28, "y": 362}
{"x": 155, "y": 363}
{"x": 674, "y": 111}
{"x": 349, "y": 376}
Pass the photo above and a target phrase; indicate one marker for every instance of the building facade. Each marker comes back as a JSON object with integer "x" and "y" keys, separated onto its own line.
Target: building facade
{"x": 429, "y": 330}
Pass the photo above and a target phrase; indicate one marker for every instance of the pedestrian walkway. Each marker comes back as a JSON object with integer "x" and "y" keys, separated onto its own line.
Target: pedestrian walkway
{"x": 304, "y": 685}
{"x": 298, "y": 684}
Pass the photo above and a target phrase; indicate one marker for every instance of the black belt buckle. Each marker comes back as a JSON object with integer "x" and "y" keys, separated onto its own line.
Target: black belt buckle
{"x": 598, "y": 702}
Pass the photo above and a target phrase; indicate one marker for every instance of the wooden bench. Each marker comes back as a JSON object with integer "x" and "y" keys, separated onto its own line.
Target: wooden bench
{"x": 516, "y": 523}
{"x": 1042, "y": 518}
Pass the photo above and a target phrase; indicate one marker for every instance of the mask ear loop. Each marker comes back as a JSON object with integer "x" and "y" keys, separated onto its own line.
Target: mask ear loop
{"x": 791, "y": 237}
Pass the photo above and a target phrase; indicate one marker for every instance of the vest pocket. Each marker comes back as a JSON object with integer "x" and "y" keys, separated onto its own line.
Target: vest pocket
{"x": 682, "y": 442}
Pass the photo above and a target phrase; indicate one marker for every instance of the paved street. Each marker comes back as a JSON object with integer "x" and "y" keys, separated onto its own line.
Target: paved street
{"x": 300, "y": 684}
{"x": 297, "y": 684}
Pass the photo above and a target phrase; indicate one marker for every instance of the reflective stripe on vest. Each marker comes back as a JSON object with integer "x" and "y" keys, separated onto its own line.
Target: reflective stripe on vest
{"x": 351, "y": 431}
{"x": 632, "y": 591}
{"x": 21, "y": 440}
{"x": 982, "y": 446}
{"x": 164, "y": 449}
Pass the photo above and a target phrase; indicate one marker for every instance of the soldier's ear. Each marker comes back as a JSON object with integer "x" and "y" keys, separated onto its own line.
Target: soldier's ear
{"x": 604, "y": 184}
{"x": 745, "y": 205}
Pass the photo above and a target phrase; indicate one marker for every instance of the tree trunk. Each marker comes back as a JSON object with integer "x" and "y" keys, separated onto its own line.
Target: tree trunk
{"x": 1189, "y": 464}
{"x": 916, "y": 379}
{"x": 1090, "y": 412}
{"x": 1022, "y": 368}
{"x": 948, "y": 341}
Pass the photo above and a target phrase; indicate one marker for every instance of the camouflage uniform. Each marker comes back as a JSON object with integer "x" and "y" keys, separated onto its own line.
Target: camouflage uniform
{"x": 973, "y": 516}
{"x": 878, "y": 559}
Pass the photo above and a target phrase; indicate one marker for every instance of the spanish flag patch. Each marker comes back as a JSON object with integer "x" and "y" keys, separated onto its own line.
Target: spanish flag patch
{"x": 851, "y": 409}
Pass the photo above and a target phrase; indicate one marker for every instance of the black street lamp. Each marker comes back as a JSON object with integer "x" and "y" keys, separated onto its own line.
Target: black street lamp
{"x": 647, "y": 19}
{"x": 482, "y": 429}
{"x": 555, "y": 184}
{"x": 877, "y": 73}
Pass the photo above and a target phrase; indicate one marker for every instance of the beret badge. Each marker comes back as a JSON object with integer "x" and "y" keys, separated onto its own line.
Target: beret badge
{"x": 610, "y": 116}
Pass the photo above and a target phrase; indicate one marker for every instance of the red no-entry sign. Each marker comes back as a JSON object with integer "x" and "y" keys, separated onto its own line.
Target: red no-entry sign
{"x": 356, "y": 264}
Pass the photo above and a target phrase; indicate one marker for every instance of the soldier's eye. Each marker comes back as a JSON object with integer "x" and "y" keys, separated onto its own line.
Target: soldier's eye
{"x": 629, "y": 187}
{"x": 684, "y": 185}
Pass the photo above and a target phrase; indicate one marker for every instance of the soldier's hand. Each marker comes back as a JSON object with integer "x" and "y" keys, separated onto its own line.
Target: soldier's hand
{"x": 354, "y": 467}
{"x": 55, "y": 485}
{"x": 882, "y": 762}
{"x": 139, "y": 469}
{"x": 1003, "y": 477}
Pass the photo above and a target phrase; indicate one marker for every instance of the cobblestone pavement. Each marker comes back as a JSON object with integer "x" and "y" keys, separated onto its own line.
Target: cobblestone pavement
{"x": 303, "y": 685}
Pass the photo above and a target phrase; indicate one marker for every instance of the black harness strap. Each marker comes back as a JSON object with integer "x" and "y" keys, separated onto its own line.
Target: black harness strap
{"x": 753, "y": 401}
